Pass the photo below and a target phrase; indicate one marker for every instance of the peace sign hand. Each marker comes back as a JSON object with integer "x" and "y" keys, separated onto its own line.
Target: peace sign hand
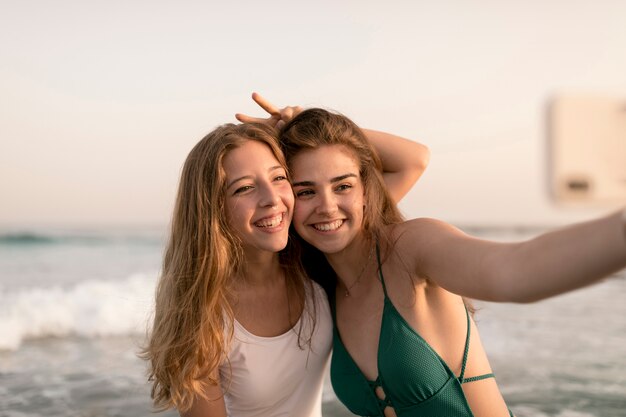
{"x": 278, "y": 117}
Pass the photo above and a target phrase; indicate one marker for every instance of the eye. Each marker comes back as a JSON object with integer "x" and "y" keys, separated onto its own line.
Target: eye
{"x": 243, "y": 189}
{"x": 304, "y": 193}
{"x": 280, "y": 178}
{"x": 343, "y": 187}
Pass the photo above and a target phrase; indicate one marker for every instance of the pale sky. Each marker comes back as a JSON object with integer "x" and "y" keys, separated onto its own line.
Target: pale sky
{"x": 102, "y": 101}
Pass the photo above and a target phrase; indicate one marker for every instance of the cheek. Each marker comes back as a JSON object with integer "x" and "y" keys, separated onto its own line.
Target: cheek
{"x": 299, "y": 215}
{"x": 234, "y": 214}
{"x": 288, "y": 199}
{"x": 358, "y": 207}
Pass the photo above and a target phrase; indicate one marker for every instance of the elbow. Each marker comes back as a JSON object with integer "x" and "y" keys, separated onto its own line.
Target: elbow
{"x": 423, "y": 159}
{"x": 418, "y": 165}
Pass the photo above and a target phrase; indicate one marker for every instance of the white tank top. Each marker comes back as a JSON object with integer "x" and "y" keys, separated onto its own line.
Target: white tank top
{"x": 273, "y": 376}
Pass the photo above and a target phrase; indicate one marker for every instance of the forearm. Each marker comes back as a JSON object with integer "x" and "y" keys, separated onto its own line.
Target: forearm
{"x": 565, "y": 259}
{"x": 404, "y": 161}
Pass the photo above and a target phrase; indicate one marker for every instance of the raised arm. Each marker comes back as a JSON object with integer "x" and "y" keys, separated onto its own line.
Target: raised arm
{"x": 404, "y": 161}
{"x": 550, "y": 264}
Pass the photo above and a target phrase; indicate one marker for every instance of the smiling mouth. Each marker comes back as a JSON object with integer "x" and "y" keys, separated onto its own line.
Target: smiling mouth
{"x": 270, "y": 222}
{"x": 329, "y": 226}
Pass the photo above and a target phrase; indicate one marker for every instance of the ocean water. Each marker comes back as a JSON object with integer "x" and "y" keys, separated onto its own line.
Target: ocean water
{"x": 74, "y": 306}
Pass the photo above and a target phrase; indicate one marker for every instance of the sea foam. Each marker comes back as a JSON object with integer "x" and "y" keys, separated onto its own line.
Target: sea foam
{"x": 89, "y": 309}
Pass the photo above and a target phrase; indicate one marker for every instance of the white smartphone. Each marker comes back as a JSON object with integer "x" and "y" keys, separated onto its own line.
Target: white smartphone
{"x": 587, "y": 149}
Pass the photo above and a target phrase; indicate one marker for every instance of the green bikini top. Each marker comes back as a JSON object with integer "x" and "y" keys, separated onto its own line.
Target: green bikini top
{"x": 416, "y": 381}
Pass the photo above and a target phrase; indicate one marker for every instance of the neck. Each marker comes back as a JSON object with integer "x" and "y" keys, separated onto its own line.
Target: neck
{"x": 261, "y": 269}
{"x": 352, "y": 262}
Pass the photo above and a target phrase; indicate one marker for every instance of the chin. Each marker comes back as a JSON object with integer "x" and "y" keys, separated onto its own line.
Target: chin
{"x": 326, "y": 247}
{"x": 278, "y": 246}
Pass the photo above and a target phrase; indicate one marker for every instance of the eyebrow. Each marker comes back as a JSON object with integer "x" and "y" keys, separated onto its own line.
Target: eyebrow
{"x": 334, "y": 179}
{"x": 249, "y": 177}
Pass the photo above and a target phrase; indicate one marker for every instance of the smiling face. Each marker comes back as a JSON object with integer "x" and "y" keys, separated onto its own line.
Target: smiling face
{"x": 259, "y": 199}
{"x": 329, "y": 197}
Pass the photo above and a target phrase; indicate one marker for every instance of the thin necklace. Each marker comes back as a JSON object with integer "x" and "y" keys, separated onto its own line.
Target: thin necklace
{"x": 358, "y": 279}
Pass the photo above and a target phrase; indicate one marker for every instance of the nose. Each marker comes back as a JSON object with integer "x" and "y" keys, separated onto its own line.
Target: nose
{"x": 269, "y": 196}
{"x": 327, "y": 204}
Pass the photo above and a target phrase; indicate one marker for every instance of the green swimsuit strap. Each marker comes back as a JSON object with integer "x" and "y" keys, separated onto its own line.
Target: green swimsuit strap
{"x": 462, "y": 378}
{"x": 380, "y": 271}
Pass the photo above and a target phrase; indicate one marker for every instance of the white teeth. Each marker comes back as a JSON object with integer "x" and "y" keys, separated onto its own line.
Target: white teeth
{"x": 327, "y": 227}
{"x": 271, "y": 222}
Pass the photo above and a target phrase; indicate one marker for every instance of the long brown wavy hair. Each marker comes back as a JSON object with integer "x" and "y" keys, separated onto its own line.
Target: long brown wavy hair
{"x": 193, "y": 316}
{"x": 316, "y": 127}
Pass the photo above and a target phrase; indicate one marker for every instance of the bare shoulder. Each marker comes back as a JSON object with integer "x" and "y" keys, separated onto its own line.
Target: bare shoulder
{"x": 424, "y": 230}
{"x": 416, "y": 241}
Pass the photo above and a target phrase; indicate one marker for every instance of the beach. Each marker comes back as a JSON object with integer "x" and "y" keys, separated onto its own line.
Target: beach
{"x": 75, "y": 305}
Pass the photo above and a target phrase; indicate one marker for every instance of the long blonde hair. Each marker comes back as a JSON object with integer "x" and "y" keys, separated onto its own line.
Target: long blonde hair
{"x": 193, "y": 317}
